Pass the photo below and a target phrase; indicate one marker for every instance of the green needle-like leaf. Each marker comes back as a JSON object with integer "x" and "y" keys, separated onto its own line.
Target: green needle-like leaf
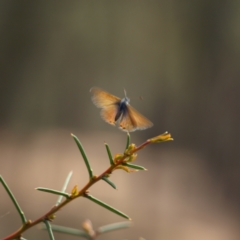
{"x": 90, "y": 171}
{"x": 21, "y": 213}
{"x": 128, "y": 140}
{"x": 70, "y": 231}
{"x": 64, "y": 188}
{"x": 109, "y": 154}
{"x": 66, "y": 195}
{"x": 134, "y": 166}
{"x": 113, "y": 226}
{"x": 49, "y": 229}
{"x": 109, "y": 182}
{"x": 114, "y": 210}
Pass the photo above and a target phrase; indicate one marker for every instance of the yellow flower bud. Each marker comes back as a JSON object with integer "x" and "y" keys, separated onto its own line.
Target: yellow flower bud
{"x": 131, "y": 158}
{"x": 130, "y": 148}
{"x": 161, "y": 138}
{"x": 74, "y": 191}
{"x": 117, "y": 157}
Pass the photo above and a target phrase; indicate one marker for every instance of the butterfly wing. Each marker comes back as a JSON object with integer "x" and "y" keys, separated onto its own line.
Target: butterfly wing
{"x": 108, "y": 113}
{"x": 108, "y": 102}
{"x": 102, "y": 99}
{"x": 132, "y": 120}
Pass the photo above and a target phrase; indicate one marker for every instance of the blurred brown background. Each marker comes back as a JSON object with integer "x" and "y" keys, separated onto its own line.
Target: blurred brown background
{"x": 182, "y": 57}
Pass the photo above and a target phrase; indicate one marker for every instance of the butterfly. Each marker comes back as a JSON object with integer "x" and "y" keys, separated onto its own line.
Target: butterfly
{"x": 115, "y": 109}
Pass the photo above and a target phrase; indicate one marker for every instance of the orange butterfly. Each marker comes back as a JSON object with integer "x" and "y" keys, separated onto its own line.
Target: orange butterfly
{"x": 114, "y": 109}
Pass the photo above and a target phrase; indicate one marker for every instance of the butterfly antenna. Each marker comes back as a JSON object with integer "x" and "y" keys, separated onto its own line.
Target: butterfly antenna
{"x": 125, "y": 92}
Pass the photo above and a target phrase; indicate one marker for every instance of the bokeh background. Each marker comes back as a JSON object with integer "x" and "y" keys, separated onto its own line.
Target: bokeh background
{"x": 182, "y": 57}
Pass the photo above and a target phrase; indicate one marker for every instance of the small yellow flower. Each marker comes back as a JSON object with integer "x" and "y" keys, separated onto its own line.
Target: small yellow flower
{"x": 161, "y": 138}
{"x": 74, "y": 191}
{"x": 130, "y": 148}
{"x": 51, "y": 217}
{"x": 117, "y": 157}
{"x": 107, "y": 175}
{"x": 131, "y": 158}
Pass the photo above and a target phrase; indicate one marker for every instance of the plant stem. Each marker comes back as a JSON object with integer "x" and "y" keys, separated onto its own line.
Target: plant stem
{"x": 92, "y": 181}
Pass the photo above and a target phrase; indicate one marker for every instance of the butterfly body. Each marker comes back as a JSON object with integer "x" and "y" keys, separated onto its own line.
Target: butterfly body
{"x": 122, "y": 107}
{"x": 115, "y": 109}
